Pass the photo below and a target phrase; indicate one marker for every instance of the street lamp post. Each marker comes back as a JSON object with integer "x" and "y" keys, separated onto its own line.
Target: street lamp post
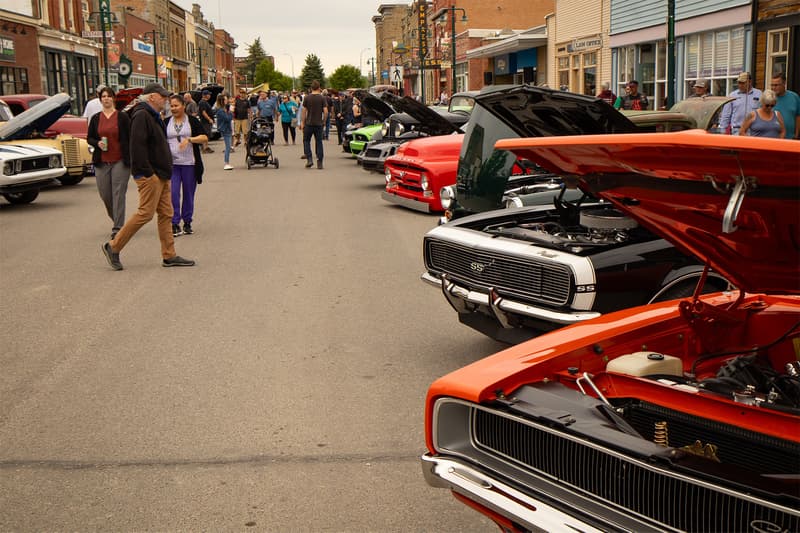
{"x": 105, "y": 22}
{"x": 360, "y": 56}
{"x": 371, "y": 61}
{"x": 155, "y": 52}
{"x": 452, "y": 10}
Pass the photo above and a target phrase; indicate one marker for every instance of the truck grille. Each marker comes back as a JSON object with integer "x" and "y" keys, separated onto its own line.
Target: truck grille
{"x": 540, "y": 281}
{"x": 72, "y": 153}
{"x": 672, "y": 500}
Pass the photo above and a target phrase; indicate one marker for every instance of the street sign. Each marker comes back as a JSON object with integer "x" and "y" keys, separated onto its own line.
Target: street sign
{"x": 396, "y": 74}
{"x": 96, "y": 34}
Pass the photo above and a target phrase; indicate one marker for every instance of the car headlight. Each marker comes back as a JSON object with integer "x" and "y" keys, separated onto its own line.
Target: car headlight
{"x": 385, "y": 128}
{"x": 8, "y": 168}
{"x": 55, "y": 161}
{"x": 388, "y": 175}
{"x": 446, "y": 195}
{"x": 399, "y": 129}
{"x": 423, "y": 181}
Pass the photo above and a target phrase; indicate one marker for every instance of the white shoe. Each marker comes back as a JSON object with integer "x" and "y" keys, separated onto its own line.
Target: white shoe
{"x": 227, "y": 167}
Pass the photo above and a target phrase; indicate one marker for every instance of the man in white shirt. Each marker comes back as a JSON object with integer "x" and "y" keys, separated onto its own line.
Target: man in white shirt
{"x": 747, "y": 100}
{"x": 94, "y": 106}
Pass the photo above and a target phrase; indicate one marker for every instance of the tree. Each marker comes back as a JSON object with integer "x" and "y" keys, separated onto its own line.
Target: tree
{"x": 345, "y": 77}
{"x": 312, "y": 70}
{"x": 255, "y": 55}
{"x": 265, "y": 72}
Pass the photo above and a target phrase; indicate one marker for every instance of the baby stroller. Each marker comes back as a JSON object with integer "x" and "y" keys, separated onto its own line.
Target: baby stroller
{"x": 259, "y": 144}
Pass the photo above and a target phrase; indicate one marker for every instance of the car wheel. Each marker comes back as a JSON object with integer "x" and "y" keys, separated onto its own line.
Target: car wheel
{"x": 277, "y": 163}
{"x": 247, "y": 160}
{"x": 21, "y": 197}
{"x": 686, "y": 288}
{"x": 70, "y": 180}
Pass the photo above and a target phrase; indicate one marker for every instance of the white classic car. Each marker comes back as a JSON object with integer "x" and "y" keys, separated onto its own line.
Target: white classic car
{"x": 26, "y": 169}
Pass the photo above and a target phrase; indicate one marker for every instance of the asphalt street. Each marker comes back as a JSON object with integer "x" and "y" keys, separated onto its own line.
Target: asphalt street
{"x": 278, "y": 385}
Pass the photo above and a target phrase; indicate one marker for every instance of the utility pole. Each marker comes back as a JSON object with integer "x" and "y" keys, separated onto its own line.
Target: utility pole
{"x": 670, "y": 55}
{"x": 105, "y": 22}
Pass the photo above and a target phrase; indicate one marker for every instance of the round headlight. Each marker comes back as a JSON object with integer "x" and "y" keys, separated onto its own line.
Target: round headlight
{"x": 446, "y": 195}
{"x": 513, "y": 201}
{"x": 399, "y": 129}
{"x": 8, "y": 168}
{"x": 423, "y": 181}
{"x": 385, "y": 128}
{"x": 55, "y": 161}
{"x": 388, "y": 175}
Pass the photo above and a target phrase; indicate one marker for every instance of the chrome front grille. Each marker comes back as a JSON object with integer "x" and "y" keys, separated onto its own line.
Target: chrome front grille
{"x": 72, "y": 154}
{"x": 527, "y": 278}
{"x": 373, "y": 152}
{"x": 676, "y": 501}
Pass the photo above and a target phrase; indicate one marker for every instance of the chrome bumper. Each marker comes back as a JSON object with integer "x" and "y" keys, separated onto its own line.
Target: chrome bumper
{"x": 459, "y": 296}
{"x": 406, "y": 202}
{"x": 499, "y": 497}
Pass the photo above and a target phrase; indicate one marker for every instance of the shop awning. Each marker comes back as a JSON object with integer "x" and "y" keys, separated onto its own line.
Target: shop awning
{"x": 525, "y": 40}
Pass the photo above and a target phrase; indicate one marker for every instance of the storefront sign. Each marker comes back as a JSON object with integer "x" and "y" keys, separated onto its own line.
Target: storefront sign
{"x": 588, "y": 43}
{"x": 142, "y": 47}
{"x": 96, "y": 34}
{"x": 7, "y": 51}
{"x": 422, "y": 27}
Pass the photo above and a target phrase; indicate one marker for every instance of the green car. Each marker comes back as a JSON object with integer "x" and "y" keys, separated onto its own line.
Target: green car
{"x": 362, "y": 136}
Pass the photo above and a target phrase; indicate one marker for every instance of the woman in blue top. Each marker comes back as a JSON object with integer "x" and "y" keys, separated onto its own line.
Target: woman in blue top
{"x": 764, "y": 121}
{"x": 225, "y": 127}
{"x": 288, "y": 111}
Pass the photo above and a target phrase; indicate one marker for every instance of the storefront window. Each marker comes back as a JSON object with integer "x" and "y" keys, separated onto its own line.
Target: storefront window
{"x": 462, "y": 76}
{"x": 590, "y": 73}
{"x": 777, "y": 51}
{"x": 717, "y": 57}
{"x": 563, "y": 71}
{"x": 627, "y": 64}
{"x": 14, "y": 80}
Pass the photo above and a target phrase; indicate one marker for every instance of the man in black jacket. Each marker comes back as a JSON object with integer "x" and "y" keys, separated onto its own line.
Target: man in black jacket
{"x": 151, "y": 166}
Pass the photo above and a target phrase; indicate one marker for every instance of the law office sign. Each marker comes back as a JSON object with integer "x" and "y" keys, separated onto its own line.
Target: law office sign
{"x": 585, "y": 44}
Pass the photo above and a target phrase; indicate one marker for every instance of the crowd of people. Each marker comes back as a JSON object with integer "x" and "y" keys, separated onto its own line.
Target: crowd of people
{"x": 772, "y": 112}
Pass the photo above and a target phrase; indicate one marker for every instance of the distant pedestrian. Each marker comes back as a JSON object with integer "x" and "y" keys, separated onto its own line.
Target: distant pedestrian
{"x": 327, "y": 130}
{"x": 788, "y": 106}
{"x": 700, "y": 88}
{"x": 191, "y": 106}
{"x": 151, "y": 165}
{"x": 337, "y": 110}
{"x": 94, "y": 105}
{"x": 206, "y": 116}
{"x": 633, "y": 99}
{"x": 355, "y": 110}
{"x": 225, "y": 127}
{"x": 764, "y": 121}
{"x": 241, "y": 117}
{"x": 185, "y": 136}
{"x": 312, "y": 120}
{"x": 288, "y": 111}
{"x": 253, "y": 100}
{"x": 109, "y": 133}
{"x": 267, "y": 107}
{"x": 606, "y": 94}
{"x": 746, "y": 99}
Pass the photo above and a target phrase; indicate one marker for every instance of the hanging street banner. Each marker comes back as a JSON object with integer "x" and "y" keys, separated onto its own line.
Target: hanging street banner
{"x": 422, "y": 28}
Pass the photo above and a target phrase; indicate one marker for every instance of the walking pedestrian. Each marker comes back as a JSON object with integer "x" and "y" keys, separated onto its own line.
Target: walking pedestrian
{"x": 109, "y": 133}
{"x": 151, "y": 165}
{"x": 747, "y": 99}
{"x": 764, "y": 121}
{"x": 191, "y": 106}
{"x": 185, "y": 135}
{"x": 225, "y": 127}
{"x": 312, "y": 120}
{"x": 337, "y": 110}
{"x": 206, "y": 116}
{"x": 788, "y": 105}
{"x": 327, "y": 129}
{"x": 267, "y": 106}
{"x": 241, "y": 117}
{"x": 288, "y": 112}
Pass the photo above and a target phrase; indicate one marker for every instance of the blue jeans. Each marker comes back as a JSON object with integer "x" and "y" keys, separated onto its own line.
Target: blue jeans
{"x": 327, "y": 126}
{"x": 316, "y": 131}
{"x": 227, "y": 138}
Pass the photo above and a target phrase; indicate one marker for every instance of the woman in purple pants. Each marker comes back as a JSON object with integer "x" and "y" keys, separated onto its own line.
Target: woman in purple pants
{"x": 185, "y": 136}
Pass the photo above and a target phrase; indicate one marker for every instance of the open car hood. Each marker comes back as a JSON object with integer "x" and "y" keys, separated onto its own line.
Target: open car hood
{"x": 539, "y": 112}
{"x": 434, "y": 122}
{"x": 729, "y": 200}
{"x": 36, "y": 119}
{"x": 373, "y": 107}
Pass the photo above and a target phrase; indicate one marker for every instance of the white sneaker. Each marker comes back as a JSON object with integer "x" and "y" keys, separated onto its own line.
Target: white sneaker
{"x": 227, "y": 167}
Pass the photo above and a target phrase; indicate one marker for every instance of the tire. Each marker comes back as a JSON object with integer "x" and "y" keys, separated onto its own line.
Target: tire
{"x": 247, "y": 161}
{"x": 277, "y": 163}
{"x": 686, "y": 288}
{"x": 18, "y": 198}
{"x": 68, "y": 180}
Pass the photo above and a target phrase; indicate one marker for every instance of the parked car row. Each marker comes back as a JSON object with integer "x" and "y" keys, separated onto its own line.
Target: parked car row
{"x": 34, "y": 152}
{"x": 662, "y": 262}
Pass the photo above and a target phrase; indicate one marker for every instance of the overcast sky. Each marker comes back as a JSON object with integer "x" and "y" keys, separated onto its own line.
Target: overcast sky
{"x": 336, "y": 31}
